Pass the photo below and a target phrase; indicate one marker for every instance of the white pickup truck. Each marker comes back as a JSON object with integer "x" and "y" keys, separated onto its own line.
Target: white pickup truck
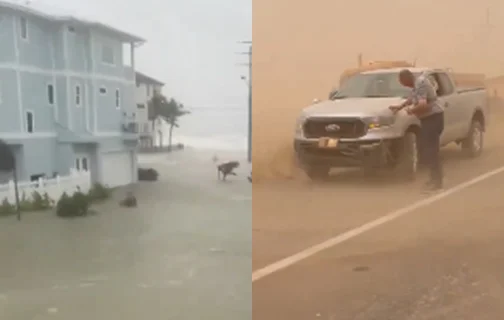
{"x": 355, "y": 128}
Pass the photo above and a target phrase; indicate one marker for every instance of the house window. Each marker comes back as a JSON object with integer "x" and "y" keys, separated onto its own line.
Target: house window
{"x": 50, "y": 94}
{"x": 117, "y": 99}
{"x": 148, "y": 90}
{"x": 77, "y": 96}
{"x": 81, "y": 164}
{"x": 140, "y": 106}
{"x": 84, "y": 164}
{"x": 71, "y": 29}
{"x": 30, "y": 122}
{"x": 103, "y": 90}
{"x": 107, "y": 54}
{"x": 23, "y": 26}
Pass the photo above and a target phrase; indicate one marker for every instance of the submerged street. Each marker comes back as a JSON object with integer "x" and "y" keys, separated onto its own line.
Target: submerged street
{"x": 184, "y": 253}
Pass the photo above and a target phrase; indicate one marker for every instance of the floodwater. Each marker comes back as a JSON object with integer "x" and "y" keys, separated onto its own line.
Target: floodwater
{"x": 184, "y": 253}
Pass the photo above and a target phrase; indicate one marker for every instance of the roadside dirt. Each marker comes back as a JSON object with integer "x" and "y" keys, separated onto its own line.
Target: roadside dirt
{"x": 291, "y": 214}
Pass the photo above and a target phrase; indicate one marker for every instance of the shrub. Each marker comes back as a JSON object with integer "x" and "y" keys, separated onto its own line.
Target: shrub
{"x": 99, "y": 192}
{"x": 76, "y": 205}
{"x": 24, "y": 203}
{"x": 48, "y": 200}
{"x": 39, "y": 202}
{"x": 147, "y": 174}
{"x": 6, "y": 208}
{"x": 80, "y": 203}
{"x": 64, "y": 206}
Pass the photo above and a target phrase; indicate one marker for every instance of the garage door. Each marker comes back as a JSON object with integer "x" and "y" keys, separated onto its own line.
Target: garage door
{"x": 117, "y": 168}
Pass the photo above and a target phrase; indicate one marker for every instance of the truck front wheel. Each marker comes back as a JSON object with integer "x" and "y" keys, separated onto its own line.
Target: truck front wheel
{"x": 407, "y": 162}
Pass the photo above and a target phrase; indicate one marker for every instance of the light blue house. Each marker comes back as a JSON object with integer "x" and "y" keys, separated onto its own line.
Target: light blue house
{"x": 67, "y": 98}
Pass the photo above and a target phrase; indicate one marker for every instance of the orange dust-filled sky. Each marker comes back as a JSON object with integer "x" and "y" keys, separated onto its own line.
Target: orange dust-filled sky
{"x": 301, "y": 48}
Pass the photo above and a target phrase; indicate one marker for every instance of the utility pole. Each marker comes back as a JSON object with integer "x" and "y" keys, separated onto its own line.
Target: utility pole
{"x": 249, "y": 83}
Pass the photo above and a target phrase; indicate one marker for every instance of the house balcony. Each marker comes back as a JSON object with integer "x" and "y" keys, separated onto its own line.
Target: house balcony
{"x": 145, "y": 129}
{"x": 129, "y": 130}
{"x": 139, "y": 128}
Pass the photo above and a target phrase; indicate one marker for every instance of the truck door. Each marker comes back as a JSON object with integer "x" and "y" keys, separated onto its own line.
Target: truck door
{"x": 447, "y": 97}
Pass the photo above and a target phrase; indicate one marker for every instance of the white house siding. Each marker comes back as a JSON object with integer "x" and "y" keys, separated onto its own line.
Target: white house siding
{"x": 112, "y": 117}
{"x": 35, "y": 100}
{"x": 7, "y": 54}
{"x": 9, "y": 108}
{"x": 80, "y": 112}
{"x": 143, "y": 96}
{"x": 38, "y": 157}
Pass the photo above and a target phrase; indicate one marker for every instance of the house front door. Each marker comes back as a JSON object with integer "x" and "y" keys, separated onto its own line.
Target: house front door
{"x": 82, "y": 163}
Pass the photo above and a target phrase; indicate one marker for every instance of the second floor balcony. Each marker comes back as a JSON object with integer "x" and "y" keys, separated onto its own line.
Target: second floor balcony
{"x": 132, "y": 127}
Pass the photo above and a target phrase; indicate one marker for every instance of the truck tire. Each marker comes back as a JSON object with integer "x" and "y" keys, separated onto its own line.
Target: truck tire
{"x": 472, "y": 145}
{"x": 407, "y": 164}
{"x": 317, "y": 172}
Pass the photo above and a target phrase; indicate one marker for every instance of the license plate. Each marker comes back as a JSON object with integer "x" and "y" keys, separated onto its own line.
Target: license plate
{"x": 328, "y": 143}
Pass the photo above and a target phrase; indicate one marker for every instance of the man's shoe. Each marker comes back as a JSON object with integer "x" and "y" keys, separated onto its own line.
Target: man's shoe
{"x": 433, "y": 187}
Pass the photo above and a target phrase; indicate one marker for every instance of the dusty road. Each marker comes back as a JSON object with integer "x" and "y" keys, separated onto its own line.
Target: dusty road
{"x": 162, "y": 260}
{"x": 443, "y": 261}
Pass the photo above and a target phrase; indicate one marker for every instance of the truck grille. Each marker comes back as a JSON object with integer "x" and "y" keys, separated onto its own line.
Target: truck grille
{"x": 346, "y": 128}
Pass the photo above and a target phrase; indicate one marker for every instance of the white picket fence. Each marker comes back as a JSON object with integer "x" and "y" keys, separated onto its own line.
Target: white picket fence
{"x": 53, "y": 187}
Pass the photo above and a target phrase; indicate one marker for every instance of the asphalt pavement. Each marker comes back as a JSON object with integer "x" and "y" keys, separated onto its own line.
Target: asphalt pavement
{"x": 184, "y": 253}
{"x": 443, "y": 260}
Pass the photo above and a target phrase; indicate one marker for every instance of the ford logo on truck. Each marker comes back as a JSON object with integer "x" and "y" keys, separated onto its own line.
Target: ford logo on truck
{"x": 332, "y": 127}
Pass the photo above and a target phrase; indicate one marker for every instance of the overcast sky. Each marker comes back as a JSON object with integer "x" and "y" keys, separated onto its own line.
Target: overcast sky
{"x": 191, "y": 44}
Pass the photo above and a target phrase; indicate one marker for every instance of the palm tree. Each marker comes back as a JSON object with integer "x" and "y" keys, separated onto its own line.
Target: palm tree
{"x": 173, "y": 111}
{"x": 168, "y": 110}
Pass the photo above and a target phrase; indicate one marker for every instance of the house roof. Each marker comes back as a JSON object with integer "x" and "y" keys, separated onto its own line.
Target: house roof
{"x": 50, "y": 13}
{"x": 143, "y": 78}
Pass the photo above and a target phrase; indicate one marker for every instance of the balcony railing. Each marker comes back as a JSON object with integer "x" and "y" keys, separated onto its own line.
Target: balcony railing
{"x": 133, "y": 127}
{"x": 130, "y": 127}
{"x": 145, "y": 127}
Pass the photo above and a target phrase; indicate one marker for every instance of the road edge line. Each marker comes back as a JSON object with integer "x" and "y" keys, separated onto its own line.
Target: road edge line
{"x": 313, "y": 250}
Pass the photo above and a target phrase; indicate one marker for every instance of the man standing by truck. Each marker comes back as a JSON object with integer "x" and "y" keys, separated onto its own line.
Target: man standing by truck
{"x": 423, "y": 103}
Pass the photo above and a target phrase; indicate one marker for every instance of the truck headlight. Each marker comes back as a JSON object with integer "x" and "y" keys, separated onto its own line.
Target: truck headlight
{"x": 380, "y": 122}
{"x": 299, "y": 125}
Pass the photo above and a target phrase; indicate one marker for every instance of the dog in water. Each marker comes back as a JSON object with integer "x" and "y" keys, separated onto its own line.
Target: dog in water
{"x": 227, "y": 169}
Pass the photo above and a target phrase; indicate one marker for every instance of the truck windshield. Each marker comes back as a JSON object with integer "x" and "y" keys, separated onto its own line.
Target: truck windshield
{"x": 373, "y": 85}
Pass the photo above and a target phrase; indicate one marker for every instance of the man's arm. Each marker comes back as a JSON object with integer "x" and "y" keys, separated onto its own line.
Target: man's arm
{"x": 421, "y": 93}
{"x": 403, "y": 105}
{"x": 407, "y": 102}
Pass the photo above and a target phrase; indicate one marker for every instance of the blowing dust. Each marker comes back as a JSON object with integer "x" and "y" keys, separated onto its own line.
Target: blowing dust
{"x": 301, "y": 49}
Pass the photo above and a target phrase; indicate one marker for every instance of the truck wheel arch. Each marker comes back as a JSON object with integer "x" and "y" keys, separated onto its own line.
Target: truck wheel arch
{"x": 479, "y": 116}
